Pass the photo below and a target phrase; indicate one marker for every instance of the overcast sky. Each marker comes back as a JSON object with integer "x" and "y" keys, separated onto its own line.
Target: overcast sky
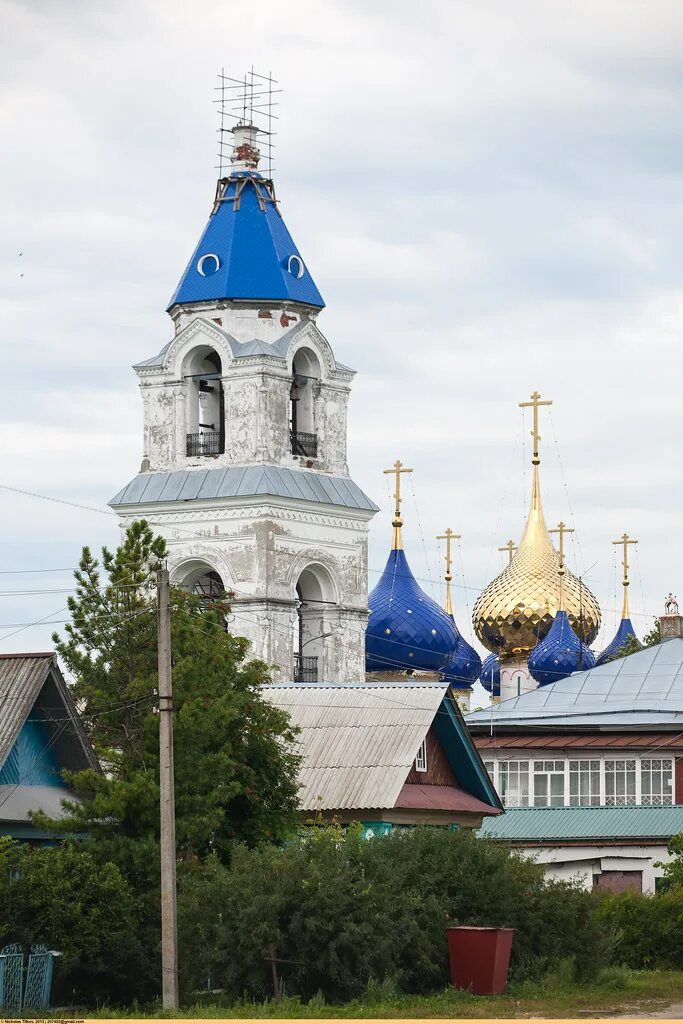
{"x": 488, "y": 195}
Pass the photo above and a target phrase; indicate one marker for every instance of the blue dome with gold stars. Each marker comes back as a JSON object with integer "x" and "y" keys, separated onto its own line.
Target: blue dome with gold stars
{"x": 406, "y": 628}
{"x": 490, "y": 675}
{"x": 462, "y": 671}
{"x": 625, "y": 634}
{"x": 560, "y": 653}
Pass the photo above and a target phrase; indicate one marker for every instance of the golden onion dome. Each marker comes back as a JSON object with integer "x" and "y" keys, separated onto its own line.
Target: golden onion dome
{"x": 518, "y": 607}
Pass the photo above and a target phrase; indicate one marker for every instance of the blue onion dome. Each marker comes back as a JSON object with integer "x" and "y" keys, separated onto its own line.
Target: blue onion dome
{"x": 406, "y": 628}
{"x": 625, "y": 634}
{"x": 559, "y": 654}
{"x": 490, "y": 675}
{"x": 463, "y": 670}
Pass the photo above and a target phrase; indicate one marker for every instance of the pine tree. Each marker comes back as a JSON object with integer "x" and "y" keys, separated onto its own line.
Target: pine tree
{"x": 235, "y": 765}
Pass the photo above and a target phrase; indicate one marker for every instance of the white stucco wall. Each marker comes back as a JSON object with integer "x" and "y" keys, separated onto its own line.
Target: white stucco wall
{"x": 259, "y": 545}
{"x": 568, "y": 863}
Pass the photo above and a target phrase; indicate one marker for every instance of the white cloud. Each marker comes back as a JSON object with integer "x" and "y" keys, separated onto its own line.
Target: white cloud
{"x": 488, "y": 196}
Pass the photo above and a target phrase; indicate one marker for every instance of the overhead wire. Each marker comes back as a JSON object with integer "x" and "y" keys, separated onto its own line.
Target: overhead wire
{"x": 194, "y": 534}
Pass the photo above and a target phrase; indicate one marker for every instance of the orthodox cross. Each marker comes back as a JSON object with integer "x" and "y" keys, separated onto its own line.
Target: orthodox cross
{"x": 535, "y": 404}
{"x": 397, "y": 522}
{"x": 561, "y": 529}
{"x": 449, "y": 536}
{"x": 624, "y": 542}
{"x": 510, "y": 547}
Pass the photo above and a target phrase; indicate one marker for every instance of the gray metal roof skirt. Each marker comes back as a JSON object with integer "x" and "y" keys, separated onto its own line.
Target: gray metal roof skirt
{"x": 199, "y": 484}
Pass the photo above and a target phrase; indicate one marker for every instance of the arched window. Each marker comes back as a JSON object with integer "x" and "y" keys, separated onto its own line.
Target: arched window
{"x": 305, "y": 376}
{"x": 316, "y": 622}
{"x": 205, "y": 405}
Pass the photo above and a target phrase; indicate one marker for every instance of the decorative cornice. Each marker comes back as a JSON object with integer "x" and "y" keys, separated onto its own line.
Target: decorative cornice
{"x": 244, "y": 512}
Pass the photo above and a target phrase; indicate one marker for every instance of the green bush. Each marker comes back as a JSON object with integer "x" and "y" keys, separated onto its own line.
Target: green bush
{"x": 344, "y": 914}
{"x": 648, "y": 929}
{"x": 61, "y": 897}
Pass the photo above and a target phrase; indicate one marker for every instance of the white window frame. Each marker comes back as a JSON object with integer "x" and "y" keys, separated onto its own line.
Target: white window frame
{"x": 623, "y": 799}
{"x": 590, "y": 772}
{"x": 541, "y": 769}
{"x": 421, "y": 757}
{"x": 524, "y": 765}
{"x": 667, "y": 796}
{"x": 661, "y": 771}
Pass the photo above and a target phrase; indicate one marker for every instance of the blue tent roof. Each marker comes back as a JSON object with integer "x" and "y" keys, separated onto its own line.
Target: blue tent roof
{"x": 406, "y": 628}
{"x": 246, "y": 251}
{"x": 623, "y": 635}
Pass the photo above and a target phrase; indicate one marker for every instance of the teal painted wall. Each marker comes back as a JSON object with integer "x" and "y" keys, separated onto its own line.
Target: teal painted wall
{"x": 31, "y": 761}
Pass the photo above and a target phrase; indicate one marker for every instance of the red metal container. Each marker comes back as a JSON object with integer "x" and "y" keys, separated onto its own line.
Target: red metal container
{"x": 479, "y": 958}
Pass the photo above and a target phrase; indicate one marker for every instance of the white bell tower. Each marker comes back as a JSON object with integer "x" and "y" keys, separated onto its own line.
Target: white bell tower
{"x": 244, "y": 469}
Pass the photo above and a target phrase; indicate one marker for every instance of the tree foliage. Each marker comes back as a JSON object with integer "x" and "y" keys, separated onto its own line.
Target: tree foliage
{"x": 235, "y": 765}
{"x": 340, "y": 911}
{"x": 85, "y": 910}
{"x": 235, "y": 761}
{"x": 633, "y": 645}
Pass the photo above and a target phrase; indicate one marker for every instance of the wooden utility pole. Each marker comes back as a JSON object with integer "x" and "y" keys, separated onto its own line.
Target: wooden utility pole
{"x": 169, "y": 927}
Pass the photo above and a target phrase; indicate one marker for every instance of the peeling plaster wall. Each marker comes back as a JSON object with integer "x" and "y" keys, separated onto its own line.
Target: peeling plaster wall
{"x": 246, "y": 321}
{"x": 259, "y": 551}
{"x": 256, "y": 400}
{"x": 260, "y": 546}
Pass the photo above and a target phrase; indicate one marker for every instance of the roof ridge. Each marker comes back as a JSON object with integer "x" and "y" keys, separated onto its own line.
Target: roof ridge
{"x": 29, "y": 654}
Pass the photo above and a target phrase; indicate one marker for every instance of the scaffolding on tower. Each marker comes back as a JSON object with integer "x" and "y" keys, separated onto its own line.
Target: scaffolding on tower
{"x": 246, "y": 101}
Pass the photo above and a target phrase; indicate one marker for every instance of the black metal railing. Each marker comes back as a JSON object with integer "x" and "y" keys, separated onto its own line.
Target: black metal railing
{"x": 304, "y": 444}
{"x": 208, "y": 443}
{"x": 305, "y": 669}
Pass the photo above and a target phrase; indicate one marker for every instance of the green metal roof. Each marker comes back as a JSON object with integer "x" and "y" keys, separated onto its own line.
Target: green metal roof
{"x": 562, "y": 823}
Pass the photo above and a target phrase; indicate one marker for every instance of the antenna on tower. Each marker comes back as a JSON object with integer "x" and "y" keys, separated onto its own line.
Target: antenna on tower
{"x": 245, "y": 101}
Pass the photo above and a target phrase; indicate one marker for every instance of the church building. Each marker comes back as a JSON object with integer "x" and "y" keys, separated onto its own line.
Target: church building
{"x": 245, "y": 475}
{"x": 245, "y": 418}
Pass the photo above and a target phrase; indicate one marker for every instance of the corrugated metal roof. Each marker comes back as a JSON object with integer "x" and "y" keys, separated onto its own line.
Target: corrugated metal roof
{"x": 22, "y": 678}
{"x": 358, "y": 742}
{"x": 243, "y": 482}
{"x": 541, "y": 824}
{"x": 643, "y": 689}
{"x": 586, "y": 741}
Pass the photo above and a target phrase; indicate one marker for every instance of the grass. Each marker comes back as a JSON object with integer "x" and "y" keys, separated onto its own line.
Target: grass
{"x": 615, "y": 990}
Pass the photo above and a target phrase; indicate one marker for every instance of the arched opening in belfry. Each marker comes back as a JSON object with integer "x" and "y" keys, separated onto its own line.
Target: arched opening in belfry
{"x": 305, "y": 378}
{"x": 315, "y": 625}
{"x": 204, "y": 403}
{"x": 203, "y": 580}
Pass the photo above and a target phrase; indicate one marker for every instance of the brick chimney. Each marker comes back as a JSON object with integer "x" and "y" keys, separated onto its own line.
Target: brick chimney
{"x": 671, "y": 622}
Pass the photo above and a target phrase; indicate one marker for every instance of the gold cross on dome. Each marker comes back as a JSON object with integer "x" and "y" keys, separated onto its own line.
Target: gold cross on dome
{"x": 397, "y": 469}
{"x": 449, "y": 536}
{"x": 397, "y": 522}
{"x": 561, "y": 529}
{"x": 510, "y": 547}
{"x": 535, "y": 404}
{"x": 624, "y": 542}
